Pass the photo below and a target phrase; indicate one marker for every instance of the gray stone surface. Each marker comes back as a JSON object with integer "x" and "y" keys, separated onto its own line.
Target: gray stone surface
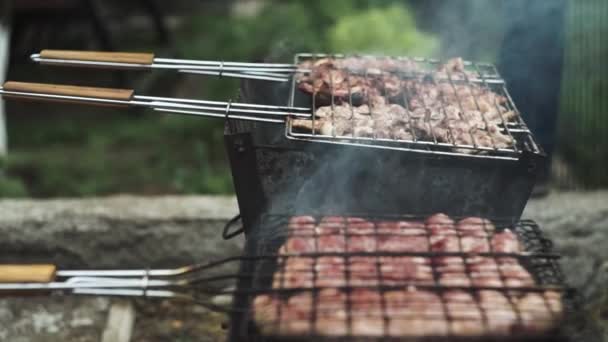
{"x": 53, "y": 319}
{"x": 121, "y": 231}
{"x": 177, "y": 230}
{"x": 577, "y": 222}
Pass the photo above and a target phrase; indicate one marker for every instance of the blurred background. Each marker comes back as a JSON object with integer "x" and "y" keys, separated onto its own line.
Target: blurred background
{"x": 62, "y": 150}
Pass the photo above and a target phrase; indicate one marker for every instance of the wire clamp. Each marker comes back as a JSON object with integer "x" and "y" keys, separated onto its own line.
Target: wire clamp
{"x": 221, "y": 69}
{"x": 228, "y": 106}
{"x": 145, "y": 282}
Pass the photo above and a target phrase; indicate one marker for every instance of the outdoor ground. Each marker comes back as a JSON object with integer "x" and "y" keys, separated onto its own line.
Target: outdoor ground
{"x": 178, "y": 230}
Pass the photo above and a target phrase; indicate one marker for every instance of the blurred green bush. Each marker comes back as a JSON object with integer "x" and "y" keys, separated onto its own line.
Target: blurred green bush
{"x": 106, "y": 152}
{"x": 390, "y": 30}
{"x": 66, "y": 153}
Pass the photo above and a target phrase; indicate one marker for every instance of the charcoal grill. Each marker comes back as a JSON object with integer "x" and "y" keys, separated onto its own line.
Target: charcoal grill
{"x": 276, "y": 167}
{"x": 279, "y": 171}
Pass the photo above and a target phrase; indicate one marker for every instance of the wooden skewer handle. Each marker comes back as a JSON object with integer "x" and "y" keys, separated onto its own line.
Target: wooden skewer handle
{"x": 99, "y": 56}
{"x": 67, "y": 90}
{"x": 27, "y": 273}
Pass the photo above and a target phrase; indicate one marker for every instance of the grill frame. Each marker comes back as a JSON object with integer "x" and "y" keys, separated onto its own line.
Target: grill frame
{"x": 490, "y": 79}
{"x": 271, "y": 233}
{"x": 273, "y": 173}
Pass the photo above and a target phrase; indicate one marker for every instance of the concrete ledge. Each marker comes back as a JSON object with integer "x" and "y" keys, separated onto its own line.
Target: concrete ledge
{"x": 120, "y": 231}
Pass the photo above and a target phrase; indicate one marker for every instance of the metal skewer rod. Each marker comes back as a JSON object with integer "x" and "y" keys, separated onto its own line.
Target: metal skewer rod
{"x": 68, "y": 285}
{"x": 129, "y": 293}
{"x": 222, "y": 103}
{"x": 222, "y": 108}
{"x": 219, "y": 115}
{"x": 122, "y": 97}
{"x": 243, "y": 64}
{"x": 147, "y": 61}
{"x": 253, "y": 76}
{"x": 146, "y": 283}
{"x": 223, "y": 66}
{"x": 218, "y": 67}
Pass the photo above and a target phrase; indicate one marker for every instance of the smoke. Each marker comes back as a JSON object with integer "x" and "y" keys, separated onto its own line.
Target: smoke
{"x": 476, "y": 29}
{"x": 364, "y": 180}
{"x": 523, "y": 38}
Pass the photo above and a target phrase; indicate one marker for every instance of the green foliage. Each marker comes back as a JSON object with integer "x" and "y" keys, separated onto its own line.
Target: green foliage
{"x": 10, "y": 186}
{"x": 283, "y": 28}
{"x": 143, "y": 154}
{"x": 108, "y": 151}
{"x": 388, "y": 30}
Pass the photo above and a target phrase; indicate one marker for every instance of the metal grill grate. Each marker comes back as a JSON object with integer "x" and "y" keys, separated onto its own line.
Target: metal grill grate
{"x": 299, "y": 298}
{"x": 438, "y": 127}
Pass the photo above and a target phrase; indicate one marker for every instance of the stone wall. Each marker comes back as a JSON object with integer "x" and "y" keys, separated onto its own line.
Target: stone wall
{"x": 577, "y": 222}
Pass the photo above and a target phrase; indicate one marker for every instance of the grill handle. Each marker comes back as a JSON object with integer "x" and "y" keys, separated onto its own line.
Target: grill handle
{"x": 67, "y": 94}
{"x": 231, "y": 229}
{"x": 98, "y": 56}
{"x": 126, "y": 97}
{"x": 43, "y": 273}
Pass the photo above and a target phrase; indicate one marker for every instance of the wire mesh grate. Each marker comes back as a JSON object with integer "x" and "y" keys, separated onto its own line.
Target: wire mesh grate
{"x": 363, "y": 276}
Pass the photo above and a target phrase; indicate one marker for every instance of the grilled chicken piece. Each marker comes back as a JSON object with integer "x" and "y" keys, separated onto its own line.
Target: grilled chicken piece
{"x": 537, "y": 310}
{"x": 439, "y": 221}
{"x": 445, "y": 243}
{"x": 465, "y": 316}
{"x": 506, "y": 242}
{"x": 454, "y": 279}
{"x": 401, "y": 228}
{"x": 474, "y": 244}
{"x": 475, "y": 226}
{"x": 307, "y": 124}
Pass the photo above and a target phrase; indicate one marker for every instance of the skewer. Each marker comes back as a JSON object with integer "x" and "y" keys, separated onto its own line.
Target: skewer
{"x": 127, "y": 98}
{"x": 197, "y": 282}
{"x": 194, "y": 281}
{"x": 147, "y": 61}
{"x": 47, "y": 277}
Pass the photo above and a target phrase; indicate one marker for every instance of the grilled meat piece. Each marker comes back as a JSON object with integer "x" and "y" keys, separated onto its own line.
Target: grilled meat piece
{"x": 474, "y": 244}
{"x": 506, "y": 242}
{"x": 445, "y": 243}
{"x": 465, "y": 316}
{"x": 475, "y": 226}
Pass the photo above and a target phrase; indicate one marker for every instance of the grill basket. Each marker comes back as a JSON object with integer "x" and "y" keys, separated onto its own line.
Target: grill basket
{"x": 265, "y": 261}
{"x": 276, "y": 169}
